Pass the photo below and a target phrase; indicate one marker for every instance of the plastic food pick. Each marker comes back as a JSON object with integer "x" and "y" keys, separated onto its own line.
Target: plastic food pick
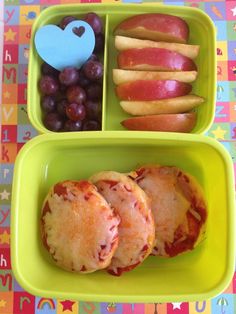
{"x": 69, "y": 47}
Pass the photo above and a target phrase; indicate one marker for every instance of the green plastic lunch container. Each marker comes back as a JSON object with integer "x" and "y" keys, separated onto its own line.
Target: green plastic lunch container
{"x": 51, "y": 157}
{"x": 202, "y": 32}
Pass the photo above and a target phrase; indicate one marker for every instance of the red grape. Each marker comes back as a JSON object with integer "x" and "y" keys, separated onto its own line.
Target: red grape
{"x": 73, "y": 125}
{"x": 83, "y": 81}
{"x": 48, "y": 104}
{"x": 99, "y": 43}
{"x": 69, "y": 76}
{"x": 94, "y": 21}
{"x": 93, "y": 70}
{"x": 66, "y": 20}
{"x": 63, "y": 88}
{"x": 91, "y": 125}
{"x": 93, "y": 110}
{"x": 61, "y": 107}
{"x": 94, "y": 91}
{"x": 76, "y": 94}
{"x": 48, "y": 85}
{"x": 53, "y": 121}
{"x": 72, "y": 99}
{"x": 47, "y": 69}
{"x": 93, "y": 57}
{"x": 75, "y": 111}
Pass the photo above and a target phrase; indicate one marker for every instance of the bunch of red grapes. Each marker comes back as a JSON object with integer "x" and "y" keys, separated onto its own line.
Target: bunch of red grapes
{"x": 72, "y": 99}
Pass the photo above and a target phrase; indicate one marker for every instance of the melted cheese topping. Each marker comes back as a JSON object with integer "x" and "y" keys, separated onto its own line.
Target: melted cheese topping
{"x": 81, "y": 229}
{"x": 136, "y": 229}
{"x": 169, "y": 206}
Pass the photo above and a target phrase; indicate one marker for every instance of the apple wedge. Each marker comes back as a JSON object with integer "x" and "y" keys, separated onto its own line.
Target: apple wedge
{"x": 154, "y": 59}
{"x": 123, "y": 43}
{"x": 182, "y": 122}
{"x": 152, "y": 90}
{"x": 171, "y": 105}
{"x": 125, "y": 76}
{"x": 155, "y": 26}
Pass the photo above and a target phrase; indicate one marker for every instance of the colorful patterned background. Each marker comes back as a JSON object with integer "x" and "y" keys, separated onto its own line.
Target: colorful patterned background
{"x": 16, "y": 130}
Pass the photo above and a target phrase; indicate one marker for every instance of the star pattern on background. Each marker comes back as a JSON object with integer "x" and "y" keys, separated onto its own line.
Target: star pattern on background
{"x": 233, "y": 11}
{"x": 5, "y": 195}
{"x": 10, "y": 35}
{"x": 5, "y": 238}
{"x": 177, "y": 305}
{"x": 6, "y": 95}
{"x": 219, "y": 133}
{"x": 67, "y": 305}
{"x": 3, "y": 303}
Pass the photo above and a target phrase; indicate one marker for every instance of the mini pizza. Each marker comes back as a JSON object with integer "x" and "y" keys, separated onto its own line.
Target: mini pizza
{"x": 79, "y": 228}
{"x": 136, "y": 229}
{"x": 178, "y": 206}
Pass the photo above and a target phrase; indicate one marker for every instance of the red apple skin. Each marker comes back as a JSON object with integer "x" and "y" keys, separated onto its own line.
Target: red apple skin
{"x": 152, "y": 90}
{"x": 183, "y": 122}
{"x": 158, "y": 26}
{"x": 154, "y": 59}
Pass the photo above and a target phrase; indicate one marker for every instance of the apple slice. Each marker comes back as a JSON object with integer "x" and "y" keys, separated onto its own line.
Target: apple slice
{"x": 182, "y": 122}
{"x": 125, "y": 76}
{"x": 124, "y": 43}
{"x": 154, "y": 59}
{"x": 171, "y": 105}
{"x": 152, "y": 90}
{"x": 155, "y": 26}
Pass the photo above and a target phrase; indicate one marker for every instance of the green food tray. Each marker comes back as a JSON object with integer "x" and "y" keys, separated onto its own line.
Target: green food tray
{"x": 52, "y": 157}
{"x": 193, "y": 276}
{"x": 202, "y": 32}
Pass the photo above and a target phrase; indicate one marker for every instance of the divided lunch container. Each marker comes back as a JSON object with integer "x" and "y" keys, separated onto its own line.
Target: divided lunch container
{"x": 52, "y": 157}
{"x": 202, "y": 32}
{"x": 193, "y": 276}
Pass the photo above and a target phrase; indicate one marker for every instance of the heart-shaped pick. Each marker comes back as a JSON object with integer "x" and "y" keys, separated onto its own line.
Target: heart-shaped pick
{"x": 69, "y": 47}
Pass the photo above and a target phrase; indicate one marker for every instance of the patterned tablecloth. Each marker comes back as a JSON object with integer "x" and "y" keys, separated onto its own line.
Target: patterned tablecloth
{"x": 18, "y": 17}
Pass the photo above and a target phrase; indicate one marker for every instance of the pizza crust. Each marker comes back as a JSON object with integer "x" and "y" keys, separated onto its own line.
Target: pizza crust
{"x": 79, "y": 229}
{"x": 178, "y": 206}
{"x": 136, "y": 229}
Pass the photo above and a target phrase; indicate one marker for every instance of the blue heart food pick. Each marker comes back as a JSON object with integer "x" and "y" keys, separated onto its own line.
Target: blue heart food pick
{"x": 69, "y": 47}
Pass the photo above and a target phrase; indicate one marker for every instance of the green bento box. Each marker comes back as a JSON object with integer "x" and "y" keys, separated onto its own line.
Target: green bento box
{"x": 193, "y": 276}
{"x": 52, "y": 157}
{"x": 202, "y": 32}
